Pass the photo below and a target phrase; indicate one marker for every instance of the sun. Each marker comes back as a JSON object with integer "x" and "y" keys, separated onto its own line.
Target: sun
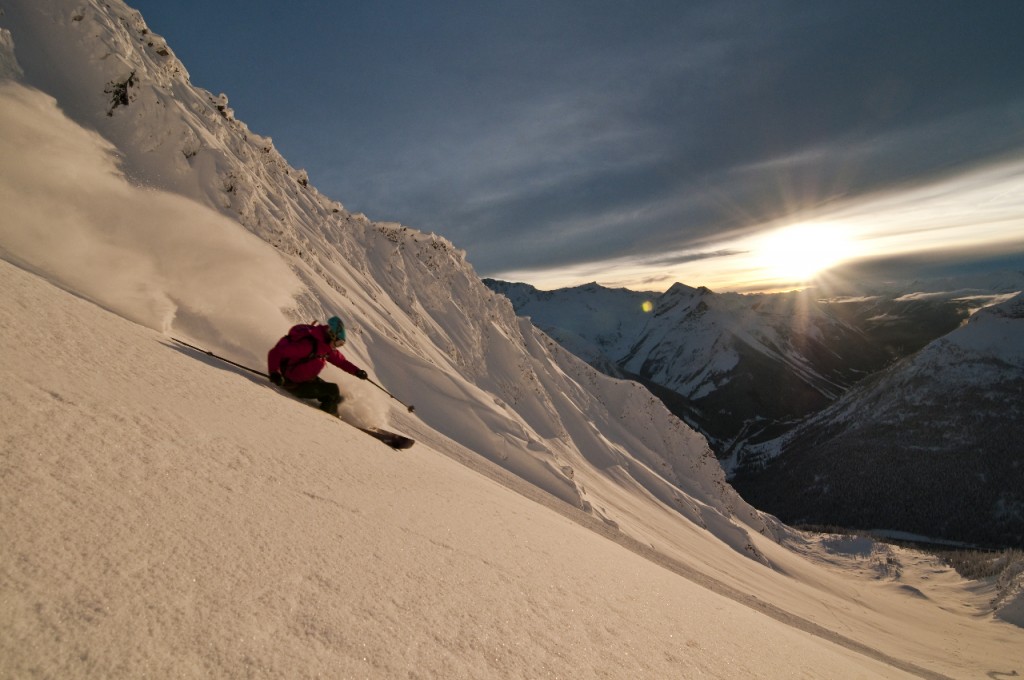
{"x": 799, "y": 252}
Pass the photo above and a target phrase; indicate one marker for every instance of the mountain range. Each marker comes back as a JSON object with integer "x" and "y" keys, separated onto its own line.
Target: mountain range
{"x": 746, "y": 370}
{"x": 742, "y": 368}
{"x": 929, "y": 446}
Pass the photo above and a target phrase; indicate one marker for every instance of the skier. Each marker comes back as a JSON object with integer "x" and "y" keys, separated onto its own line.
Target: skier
{"x": 296, "y": 360}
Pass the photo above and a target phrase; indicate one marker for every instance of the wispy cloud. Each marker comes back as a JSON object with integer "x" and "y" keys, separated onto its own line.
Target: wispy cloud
{"x": 581, "y": 132}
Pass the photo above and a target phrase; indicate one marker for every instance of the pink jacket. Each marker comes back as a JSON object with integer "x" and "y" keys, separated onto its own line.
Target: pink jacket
{"x": 303, "y": 353}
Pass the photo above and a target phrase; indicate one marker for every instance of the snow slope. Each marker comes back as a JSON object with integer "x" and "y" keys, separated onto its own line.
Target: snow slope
{"x": 418, "y": 315}
{"x": 167, "y": 516}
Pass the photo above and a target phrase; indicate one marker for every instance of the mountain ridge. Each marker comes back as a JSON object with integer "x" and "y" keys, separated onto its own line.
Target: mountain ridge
{"x": 790, "y": 365}
{"x": 415, "y": 309}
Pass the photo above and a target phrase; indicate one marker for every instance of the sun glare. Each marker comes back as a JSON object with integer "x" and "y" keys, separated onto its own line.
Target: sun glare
{"x": 798, "y": 252}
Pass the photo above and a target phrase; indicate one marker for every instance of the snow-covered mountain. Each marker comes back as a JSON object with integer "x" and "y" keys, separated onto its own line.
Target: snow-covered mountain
{"x": 595, "y": 323}
{"x": 168, "y": 515}
{"x": 419, "y": 317}
{"x": 930, "y": 446}
{"x": 744, "y": 368}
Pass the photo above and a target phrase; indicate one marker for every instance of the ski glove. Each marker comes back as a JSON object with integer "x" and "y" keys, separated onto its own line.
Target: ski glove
{"x": 277, "y": 378}
{"x": 361, "y": 374}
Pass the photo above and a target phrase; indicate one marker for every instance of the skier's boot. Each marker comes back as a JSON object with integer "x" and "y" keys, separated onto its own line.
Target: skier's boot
{"x": 330, "y": 405}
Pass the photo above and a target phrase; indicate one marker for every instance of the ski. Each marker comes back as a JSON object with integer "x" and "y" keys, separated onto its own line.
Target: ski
{"x": 392, "y": 439}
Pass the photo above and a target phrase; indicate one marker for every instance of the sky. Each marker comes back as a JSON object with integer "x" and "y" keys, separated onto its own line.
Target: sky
{"x": 637, "y": 144}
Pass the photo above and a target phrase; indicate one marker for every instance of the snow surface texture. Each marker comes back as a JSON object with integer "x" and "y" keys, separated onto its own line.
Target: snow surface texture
{"x": 167, "y": 516}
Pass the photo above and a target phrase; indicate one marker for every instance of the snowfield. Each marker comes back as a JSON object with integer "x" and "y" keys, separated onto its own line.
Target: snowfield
{"x": 168, "y": 515}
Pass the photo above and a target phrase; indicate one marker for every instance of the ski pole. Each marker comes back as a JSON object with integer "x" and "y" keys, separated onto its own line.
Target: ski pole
{"x": 215, "y": 356}
{"x": 374, "y": 383}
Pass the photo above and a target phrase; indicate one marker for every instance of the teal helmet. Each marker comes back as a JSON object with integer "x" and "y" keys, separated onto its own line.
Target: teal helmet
{"x": 336, "y": 328}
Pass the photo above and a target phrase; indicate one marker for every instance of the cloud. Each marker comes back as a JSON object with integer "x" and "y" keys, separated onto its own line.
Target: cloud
{"x": 748, "y": 123}
{"x": 682, "y": 258}
{"x": 577, "y": 132}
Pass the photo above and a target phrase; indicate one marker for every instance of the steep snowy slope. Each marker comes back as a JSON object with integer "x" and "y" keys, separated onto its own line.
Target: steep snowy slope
{"x": 420, "y": 319}
{"x": 931, "y": 446}
{"x": 164, "y": 533}
{"x": 154, "y": 529}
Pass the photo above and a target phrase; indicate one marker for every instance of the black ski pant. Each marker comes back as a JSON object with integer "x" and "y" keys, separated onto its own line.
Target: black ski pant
{"x": 326, "y": 392}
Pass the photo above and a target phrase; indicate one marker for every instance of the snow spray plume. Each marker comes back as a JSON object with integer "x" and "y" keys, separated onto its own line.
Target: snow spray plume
{"x": 154, "y": 257}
